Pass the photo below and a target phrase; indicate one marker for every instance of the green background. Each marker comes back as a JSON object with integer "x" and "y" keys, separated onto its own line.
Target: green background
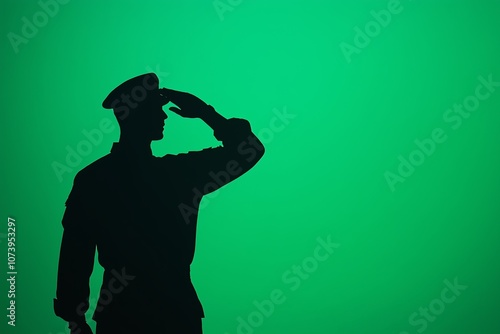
{"x": 323, "y": 173}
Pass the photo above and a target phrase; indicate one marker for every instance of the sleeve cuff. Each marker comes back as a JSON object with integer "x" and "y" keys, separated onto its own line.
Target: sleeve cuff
{"x": 235, "y": 129}
{"x": 62, "y": 311}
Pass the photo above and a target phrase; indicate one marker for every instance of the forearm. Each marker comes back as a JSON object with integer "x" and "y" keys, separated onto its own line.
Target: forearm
{"x": 212, "y": 118}
{"x": 241, "y": 145}
{"x": 230, "y": 131}
{"x": 73, "y": 291}
{"x": 241, "y": 150}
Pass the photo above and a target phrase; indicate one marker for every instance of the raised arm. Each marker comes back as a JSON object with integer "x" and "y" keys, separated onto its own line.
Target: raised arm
{"x": 212, "y": 168}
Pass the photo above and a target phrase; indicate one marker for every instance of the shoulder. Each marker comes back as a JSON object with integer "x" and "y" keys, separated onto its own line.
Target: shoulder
{"x": 189, "y": 157}
{"x": 89, "y": 179}
{"x": 98, "y": 169}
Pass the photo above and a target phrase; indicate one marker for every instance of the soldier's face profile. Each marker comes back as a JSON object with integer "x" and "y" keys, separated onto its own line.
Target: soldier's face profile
{"x": 148, "y": 122}
{"x": 155, "y": 121}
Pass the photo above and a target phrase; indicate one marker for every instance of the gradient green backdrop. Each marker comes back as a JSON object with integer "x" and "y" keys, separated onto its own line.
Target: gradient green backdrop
{"x": 323, "y": 172}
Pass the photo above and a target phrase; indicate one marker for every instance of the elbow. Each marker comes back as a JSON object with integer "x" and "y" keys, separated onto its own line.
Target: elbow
{"x": 261, "y": 151}
{"x": 249, "y": 152}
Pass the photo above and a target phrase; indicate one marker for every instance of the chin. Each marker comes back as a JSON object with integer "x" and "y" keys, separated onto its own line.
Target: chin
{"x": 157, "y": 137}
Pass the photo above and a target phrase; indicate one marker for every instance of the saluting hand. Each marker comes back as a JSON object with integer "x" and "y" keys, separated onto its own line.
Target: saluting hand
{"x": 188, "y": 105}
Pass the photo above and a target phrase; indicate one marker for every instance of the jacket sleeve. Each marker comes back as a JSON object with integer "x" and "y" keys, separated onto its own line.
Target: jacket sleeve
{"x": 76, "y": 260}
{"x": 212, "y": 168}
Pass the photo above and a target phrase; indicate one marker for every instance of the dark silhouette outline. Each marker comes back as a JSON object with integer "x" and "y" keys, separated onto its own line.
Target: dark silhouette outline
{"x": 141, "y": 212}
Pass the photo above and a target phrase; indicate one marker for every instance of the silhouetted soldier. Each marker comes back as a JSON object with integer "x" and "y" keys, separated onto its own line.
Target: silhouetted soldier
{"x": 141, "y": 212}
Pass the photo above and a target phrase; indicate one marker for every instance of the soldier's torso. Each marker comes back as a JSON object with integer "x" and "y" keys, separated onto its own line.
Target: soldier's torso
{"x": 141, "y": 232}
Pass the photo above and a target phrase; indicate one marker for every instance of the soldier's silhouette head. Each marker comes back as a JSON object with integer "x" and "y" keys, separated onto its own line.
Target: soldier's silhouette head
{"x": 138, "y": 107}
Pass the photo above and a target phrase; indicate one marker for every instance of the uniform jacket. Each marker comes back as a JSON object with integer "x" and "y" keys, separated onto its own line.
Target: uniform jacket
{"x": 140, "y": 212}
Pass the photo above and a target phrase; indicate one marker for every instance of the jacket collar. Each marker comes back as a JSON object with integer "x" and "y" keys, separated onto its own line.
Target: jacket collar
{"x": 129, "y": 151}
